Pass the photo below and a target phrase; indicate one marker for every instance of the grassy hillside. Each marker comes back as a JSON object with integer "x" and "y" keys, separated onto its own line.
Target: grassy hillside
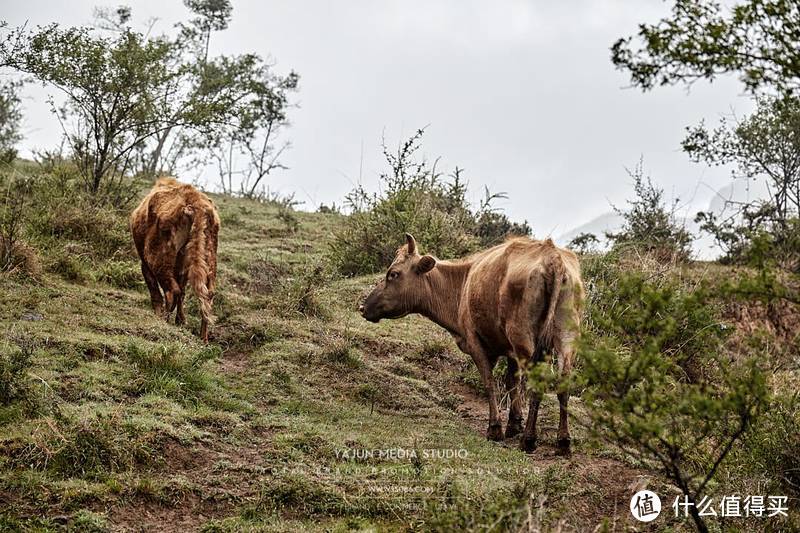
{"x": 115, "y": 420}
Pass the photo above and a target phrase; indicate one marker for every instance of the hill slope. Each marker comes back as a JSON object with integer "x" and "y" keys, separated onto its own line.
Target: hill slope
{"x": 299, "y": 415}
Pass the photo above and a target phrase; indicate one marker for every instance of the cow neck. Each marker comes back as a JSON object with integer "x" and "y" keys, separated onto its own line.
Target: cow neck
{"x": 446, "y": 283}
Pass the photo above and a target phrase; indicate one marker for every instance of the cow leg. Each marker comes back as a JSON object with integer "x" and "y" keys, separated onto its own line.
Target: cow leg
{"x": 171, "y": 291}
{"x": 514, "y": 388}
{"x": 156, "y": 300}
{"x": 481, "y": 358}
{"x": 180, "y": 318}
{"x": 181, "y": 277}
{"x": 566, "y": 352}
{"x": 528, "y": 441}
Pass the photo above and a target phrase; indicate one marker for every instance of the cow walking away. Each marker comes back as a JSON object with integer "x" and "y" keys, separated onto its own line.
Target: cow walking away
{"x": 175, "y": 230}
{"x": 521, "y": 299}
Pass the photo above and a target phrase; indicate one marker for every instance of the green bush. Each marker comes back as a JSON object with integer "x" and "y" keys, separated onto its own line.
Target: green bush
{"x": 300, "y": 293}
{"x": 650, "y": 225}
{"x": 505, "y": 509}
{"x": 772, "y": 448}
{"x": 629, "y": 310}
{"x": 752, "y": 236}
{"x": 657, "y": 384}
{"x": 415, "y": 199}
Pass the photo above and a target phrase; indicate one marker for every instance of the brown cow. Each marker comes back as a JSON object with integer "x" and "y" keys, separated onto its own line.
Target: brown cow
{"x": 520, "y": 299}
{"x": 175, "y": 230}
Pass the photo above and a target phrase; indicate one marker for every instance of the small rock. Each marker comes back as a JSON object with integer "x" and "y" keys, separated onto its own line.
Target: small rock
{"x": 33, "y": 316}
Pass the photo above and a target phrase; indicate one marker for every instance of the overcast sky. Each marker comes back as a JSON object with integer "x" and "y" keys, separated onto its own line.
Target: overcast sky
{"x": 521, "y": 94}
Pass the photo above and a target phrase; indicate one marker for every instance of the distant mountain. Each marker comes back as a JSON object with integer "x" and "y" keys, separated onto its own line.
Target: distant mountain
{"x": 610, "y": 221}
{"x": 738, "y": 191}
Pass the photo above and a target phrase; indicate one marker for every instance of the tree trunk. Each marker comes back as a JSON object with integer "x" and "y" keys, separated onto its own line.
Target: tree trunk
{"x": 156, "y": 155}
{"x": 698, "y": 520}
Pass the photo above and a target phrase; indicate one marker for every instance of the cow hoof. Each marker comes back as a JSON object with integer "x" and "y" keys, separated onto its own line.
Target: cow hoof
{"x": 527, "y": 444}
{"x": 563, "y": 446}
{"x": 513, "y": 428}
{"x": 495, "y": 432}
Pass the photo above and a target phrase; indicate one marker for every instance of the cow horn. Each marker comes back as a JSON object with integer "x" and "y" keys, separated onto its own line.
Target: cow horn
{"x": 412, "y": 244}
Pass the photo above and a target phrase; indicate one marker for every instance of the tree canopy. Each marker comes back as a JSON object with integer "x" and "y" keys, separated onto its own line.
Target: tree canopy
{"x": 702, "y": 39}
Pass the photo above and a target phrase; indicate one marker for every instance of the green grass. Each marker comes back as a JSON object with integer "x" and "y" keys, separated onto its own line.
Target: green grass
{"x": 107, "y": 411}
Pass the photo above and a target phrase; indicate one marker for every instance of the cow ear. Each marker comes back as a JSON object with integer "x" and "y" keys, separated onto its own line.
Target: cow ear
{"x": 425, "y": 264}
{"x": 411, "y": 243}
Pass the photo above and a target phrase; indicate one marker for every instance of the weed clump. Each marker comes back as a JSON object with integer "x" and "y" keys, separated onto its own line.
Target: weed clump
{"x": 172, "y": 370}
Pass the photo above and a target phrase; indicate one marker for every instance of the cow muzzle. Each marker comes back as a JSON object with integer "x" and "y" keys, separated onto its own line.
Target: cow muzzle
{"x": 370, "y": 316}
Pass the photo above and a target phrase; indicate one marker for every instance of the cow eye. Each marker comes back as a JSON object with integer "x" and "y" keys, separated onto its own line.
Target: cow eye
{"x": 392, "y": 275}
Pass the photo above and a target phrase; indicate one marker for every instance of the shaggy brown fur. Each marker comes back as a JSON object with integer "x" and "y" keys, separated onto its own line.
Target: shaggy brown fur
{"x": 519, "y": 299}
{"x": 175, "y": 230}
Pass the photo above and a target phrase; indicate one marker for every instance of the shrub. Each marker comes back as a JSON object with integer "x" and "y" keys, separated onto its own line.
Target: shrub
{"x": 10, "y": 120}
{"x": 492, "y": 226}
{"x": 644, "y": 394}
{"x": 772, "y": 448}
{"x": 93, "y": 447}
{"x": 300, "y": 294}
{"x": 750, "y": 236}
{"x": 505, "y": 509}
{"x": 12, "y": 215}
{"x": 649, "y": 225}
{"x": 90, "y": 446}
{"x": 584, "y": 243}
{"x": 415, "y": 199}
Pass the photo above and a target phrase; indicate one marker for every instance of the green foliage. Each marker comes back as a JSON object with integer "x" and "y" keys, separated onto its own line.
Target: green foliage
{"x": 10, "y": 119}
{"x": 509, "y": 509}
{"x": 12, "y": 217}
{"x": 301, "y": 294}
{"x": 78, "y": 239}
{"x": 665, "y": 317}
{"x": 120, "y": 274}
{"x": 286, "y": 212}
{"x": 584, "y": 243}
{"x": 138, "y": 103}
{"x": 90, "y": 522}
{"x": 113, "y": 87}
{"x": 772, "y": 448}
{"x": 300, "y": 493}
{"x": 704, "y": 39}
{"x": 15, "y": 362}
{"x": 415, "y": 199}
{"x": 93, "y": 447}
{"x": 765, "y": 144}
{"x": 649, "y": 225}
{"x": 658, "y": 385}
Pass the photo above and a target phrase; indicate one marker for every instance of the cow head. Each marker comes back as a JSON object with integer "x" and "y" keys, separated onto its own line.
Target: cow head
{"x": 403, "y": 288}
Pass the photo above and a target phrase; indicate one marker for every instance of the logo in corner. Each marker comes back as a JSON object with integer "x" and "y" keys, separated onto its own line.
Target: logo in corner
{"x": 645, "y": 506}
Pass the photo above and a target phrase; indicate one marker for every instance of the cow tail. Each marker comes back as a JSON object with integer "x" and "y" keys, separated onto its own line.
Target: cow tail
{"x": 197, "y": 265}
{"x": 558, "y": 274}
